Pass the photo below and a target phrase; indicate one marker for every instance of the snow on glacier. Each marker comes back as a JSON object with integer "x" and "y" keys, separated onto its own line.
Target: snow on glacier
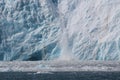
{"x": 59, "y": 29}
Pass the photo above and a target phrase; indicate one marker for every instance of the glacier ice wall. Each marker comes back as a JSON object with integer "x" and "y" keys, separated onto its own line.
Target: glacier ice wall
{"x": 27, "y": 28}
{"x": 62, "y": 29}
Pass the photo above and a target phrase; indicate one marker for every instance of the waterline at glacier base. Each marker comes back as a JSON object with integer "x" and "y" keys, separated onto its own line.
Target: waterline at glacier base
{"x": 60, "y": 70}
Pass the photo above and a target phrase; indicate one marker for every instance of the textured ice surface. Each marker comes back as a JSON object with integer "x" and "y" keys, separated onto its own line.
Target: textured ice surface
{"x": 27, "y": 28}
{"x": 48, "y": 29}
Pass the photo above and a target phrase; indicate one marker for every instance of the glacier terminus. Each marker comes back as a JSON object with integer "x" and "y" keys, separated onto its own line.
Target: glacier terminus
{"x": 33, "y": 30}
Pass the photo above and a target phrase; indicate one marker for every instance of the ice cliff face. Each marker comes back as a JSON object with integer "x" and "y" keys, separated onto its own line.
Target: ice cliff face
{"x": 62, "y": 29}
{"x": 28, "y": 29}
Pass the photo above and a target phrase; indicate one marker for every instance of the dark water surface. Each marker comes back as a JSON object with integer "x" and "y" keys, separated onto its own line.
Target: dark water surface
{"x": 81, "y": 75}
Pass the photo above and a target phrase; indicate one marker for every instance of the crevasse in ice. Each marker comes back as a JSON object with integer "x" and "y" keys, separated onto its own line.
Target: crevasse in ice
{"x": 59, "y": 29}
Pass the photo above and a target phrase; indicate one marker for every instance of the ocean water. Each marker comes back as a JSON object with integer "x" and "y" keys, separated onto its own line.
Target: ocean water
{"x": 88, "y": 75}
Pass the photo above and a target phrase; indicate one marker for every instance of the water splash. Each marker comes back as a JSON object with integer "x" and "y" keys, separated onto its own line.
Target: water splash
{"x": 66, "y": 53}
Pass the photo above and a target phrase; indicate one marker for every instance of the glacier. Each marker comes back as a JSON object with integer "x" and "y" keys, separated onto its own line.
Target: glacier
{"x": 59, "y": 29}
